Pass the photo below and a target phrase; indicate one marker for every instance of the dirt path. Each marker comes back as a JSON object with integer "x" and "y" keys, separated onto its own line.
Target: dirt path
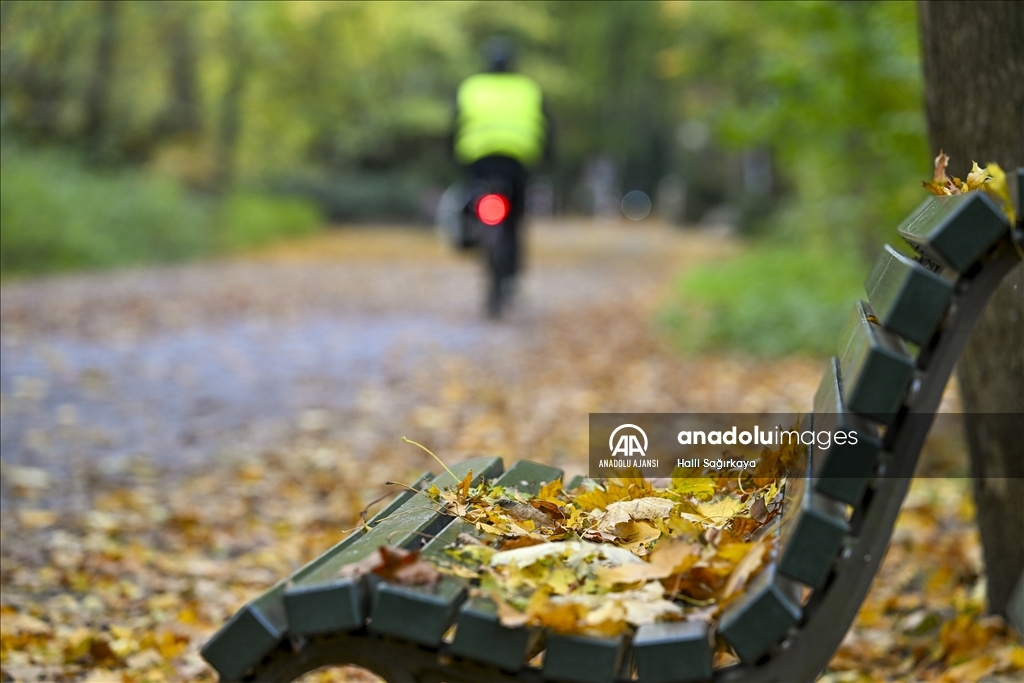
{"x": 180, "y": 365}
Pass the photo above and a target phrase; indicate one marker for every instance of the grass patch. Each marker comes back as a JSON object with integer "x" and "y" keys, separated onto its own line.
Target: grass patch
{"x": 768, "y": 301}
{"x": 248, "y": 220}
{"x": 58, "y": 215}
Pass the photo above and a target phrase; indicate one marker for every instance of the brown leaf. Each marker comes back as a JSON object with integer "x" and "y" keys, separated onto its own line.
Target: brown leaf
{"x": 394, "y": 565}
{"x": 418, "y": 573}
{"x": 361, "y": 568}
{"x": 393, "y": 561}
{"x": 550, "y": 509}
{"x": 519, "y": 542}
{"x": 758, "y": 510}
{"x": 524, "y": 511}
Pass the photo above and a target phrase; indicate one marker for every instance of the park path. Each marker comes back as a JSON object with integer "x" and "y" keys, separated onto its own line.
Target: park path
{"x": 348, "y": 336}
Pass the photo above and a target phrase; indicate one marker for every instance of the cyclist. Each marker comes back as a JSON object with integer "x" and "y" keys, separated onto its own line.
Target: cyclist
{"x": 502, "y": 129}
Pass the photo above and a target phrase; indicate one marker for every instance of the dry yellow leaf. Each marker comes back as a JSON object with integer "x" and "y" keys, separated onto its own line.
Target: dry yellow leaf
{"x": 745, "y": 568}
{"x": 720, "y": 512}
{"x": 550, "y": 491}
{"x": 702, "y": 488}
{"x": 670, "y": 557}
{"x": 997, "y": 189}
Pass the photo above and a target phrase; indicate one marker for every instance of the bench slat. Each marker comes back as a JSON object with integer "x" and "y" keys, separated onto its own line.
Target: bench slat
{"x": 320, "y": 603}
{"x": 397, "y": 502}
{"x": 249, "y": 636}
{"x": 575, "y": 482}
{"x": 670, "y": 652}
{"x": 478, "y": 634}
{"x": 423, "y": 614}
{"x": 759, "y": 619}
{"x": 583, "y": 659}
{"x": 955, "y": 231}
{"x": 874, "y": 365}
{"x": 260, "y": 626}
{"x": 842, "y": 471}
{"x": 811, "y": 541}
{"x": 908, "y": 299}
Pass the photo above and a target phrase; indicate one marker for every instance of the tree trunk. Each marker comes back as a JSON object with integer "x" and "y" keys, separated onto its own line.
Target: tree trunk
{"x": 974, "y": 85}
{"x": 97, "y": 96}
{"x": 182, "y": 115}
{"x": 230, "y": 113}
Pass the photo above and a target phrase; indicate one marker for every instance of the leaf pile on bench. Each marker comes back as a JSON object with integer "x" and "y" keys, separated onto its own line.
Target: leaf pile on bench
{"x": 607, "y": 555}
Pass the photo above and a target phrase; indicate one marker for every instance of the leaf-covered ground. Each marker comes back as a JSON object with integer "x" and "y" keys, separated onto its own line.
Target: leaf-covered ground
{"x": 119, "y": 570}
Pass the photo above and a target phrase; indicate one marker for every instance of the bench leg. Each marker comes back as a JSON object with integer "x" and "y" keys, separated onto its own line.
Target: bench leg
{"x": 394, "y": 661}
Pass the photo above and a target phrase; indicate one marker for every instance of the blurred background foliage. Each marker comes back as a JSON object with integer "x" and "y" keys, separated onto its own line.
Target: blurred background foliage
{"x": 136, "y": 131}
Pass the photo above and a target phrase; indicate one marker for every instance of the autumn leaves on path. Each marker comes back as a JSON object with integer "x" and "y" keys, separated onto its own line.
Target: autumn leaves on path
{"x": 152, "y": 553}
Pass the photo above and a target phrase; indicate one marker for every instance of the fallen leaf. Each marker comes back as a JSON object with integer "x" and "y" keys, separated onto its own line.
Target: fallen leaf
{"x": 758, "y": 510}
{"x": 999, "y": 191}
{"x": 977, "y": 177}
{"x": 669, "y": 557}
{"x": 719, "y": 513}
{"x": 550, "y": 491}
{"x": 744, "y": 569}
{"x": 570, "y": 551}
{"x": 37, "y": 519}
{"x": 698, "y": 487}
{"x": 640, "y": 509}
{"x": 394, "y": 565}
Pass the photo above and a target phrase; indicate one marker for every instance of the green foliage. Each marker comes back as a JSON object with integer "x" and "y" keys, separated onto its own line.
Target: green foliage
{"x": 247, "y": 220}
{"x": 767, "y": 301}
{"x": 370, "y": 196}
{"x": 350, "y": 104}
{"x": 833, "y": 89}
{"x": 59, "y": 215}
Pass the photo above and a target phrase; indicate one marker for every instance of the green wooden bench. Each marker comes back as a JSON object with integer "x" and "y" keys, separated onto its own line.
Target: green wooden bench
{"x": 892, "y": 363}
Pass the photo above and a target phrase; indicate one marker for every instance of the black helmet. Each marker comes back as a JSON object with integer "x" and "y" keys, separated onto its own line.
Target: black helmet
{"x": 499, "y": 54}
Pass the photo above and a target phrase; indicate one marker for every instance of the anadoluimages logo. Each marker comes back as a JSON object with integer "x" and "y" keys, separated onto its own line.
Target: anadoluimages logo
{"x": 628, "y": 445}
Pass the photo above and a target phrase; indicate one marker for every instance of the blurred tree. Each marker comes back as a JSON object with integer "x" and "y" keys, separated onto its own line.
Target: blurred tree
{"x": 608, "y": 98}
{"x": 96, "y": 129}
{"x": 38, "y": 46}
{"x": 974, "y": 75}
{"x": 237, "y": 57}
{"x": 181, "y": 114}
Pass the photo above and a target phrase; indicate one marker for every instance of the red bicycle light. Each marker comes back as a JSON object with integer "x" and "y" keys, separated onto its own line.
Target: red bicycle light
{"x": 492, "y": 209}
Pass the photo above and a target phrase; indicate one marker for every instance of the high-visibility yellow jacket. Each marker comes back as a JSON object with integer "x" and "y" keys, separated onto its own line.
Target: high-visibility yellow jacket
{"x": 500, "y": 114}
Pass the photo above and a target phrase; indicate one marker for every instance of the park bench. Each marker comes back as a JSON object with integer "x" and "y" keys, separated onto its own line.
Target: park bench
{"x": 894, "y": 359}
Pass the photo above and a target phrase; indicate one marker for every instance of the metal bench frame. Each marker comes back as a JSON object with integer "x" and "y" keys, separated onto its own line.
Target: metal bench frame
{"x": 802, "y": 651}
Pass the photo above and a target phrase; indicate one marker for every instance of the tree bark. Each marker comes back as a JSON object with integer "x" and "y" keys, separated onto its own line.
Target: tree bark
{"x": 974, "y": 91}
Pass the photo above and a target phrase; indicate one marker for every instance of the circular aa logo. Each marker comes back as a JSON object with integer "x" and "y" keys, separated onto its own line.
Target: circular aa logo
{"x": 628, "y": 445}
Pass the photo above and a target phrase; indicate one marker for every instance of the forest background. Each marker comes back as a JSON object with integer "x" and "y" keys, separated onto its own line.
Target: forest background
{"x": 140, "y": 132}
